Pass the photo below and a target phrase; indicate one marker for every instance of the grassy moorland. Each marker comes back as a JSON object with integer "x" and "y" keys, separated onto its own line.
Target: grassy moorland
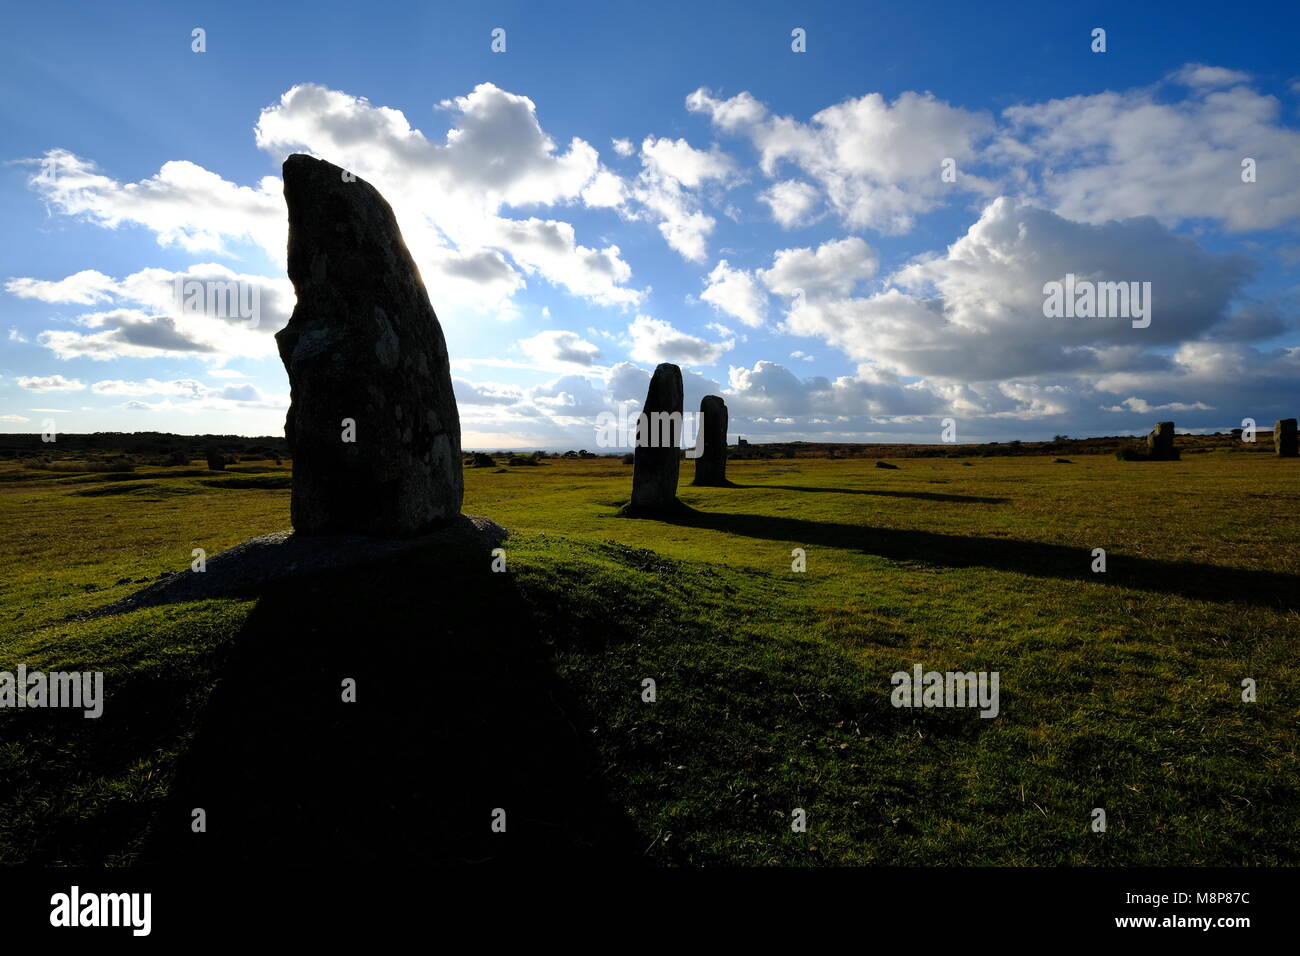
{"x": 523, "y": 690}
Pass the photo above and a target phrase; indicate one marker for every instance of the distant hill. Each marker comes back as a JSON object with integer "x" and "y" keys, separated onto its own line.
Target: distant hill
{"x": 143, "y": 445}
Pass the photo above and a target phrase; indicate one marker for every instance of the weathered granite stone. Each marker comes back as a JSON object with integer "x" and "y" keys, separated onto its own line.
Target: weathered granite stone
{"x": 657, "y": 461}
{"x": 373, "y": 425}
{"x": 711, "y": 465}
{"x": 1160, "y": 443}
{"x": 1284, "y": 438}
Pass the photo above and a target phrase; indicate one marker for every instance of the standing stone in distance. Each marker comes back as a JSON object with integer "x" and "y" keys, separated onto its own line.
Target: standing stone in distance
{"x": 711, "y": 465}
{"x": 1160, "y": 443}
{"x": 1284, "y": 438}
{"x": 656, "y": 461}
{"x": 363, "y": 344}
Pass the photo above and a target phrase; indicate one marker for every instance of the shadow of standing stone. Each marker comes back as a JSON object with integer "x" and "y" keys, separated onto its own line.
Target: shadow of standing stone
{"x": 448, "y": 722}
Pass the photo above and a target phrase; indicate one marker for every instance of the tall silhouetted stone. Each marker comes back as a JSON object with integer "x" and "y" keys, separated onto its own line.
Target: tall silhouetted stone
{"x": 656, "y": 461}
{"x": 1284, "y": 438}
{"x": 372, "y": 423}
{"x": 1160, "y": 443}
{"x": 711, "y": 465}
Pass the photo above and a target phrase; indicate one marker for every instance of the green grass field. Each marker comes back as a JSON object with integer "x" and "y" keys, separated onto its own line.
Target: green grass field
{"x": 523, "y": 690}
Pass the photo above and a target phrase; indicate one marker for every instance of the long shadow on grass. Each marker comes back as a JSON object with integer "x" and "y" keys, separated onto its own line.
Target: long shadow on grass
{"x": 457, "y": 713}
{"x": 921, "y": 495}
{"x": 58, "y": 750}
{"x": 1198, "y": 581}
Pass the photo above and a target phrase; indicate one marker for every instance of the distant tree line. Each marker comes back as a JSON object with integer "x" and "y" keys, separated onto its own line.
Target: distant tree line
{"x": 164, "y": 448}
{"x": 122, "y": 451}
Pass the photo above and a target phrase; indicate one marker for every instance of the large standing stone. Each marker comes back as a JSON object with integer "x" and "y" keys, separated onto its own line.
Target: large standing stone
{"x": 366, "y": 361}
{"x": 1160, "y": 443}
{"x": 711, "y": 465}
{"x": 1284, "y": 438}
{"x": 657, "y": 461}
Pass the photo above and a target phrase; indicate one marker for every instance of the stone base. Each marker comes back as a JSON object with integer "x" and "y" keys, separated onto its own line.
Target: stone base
{"x": 283, "y": 555}
{"x": 674, "y": 510}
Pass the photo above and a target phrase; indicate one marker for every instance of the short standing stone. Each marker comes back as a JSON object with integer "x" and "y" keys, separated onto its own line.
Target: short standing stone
{"x": 1160, "y": 443}
{"x": 1284, "y": 438}
{"x": 711, "y": 465}
{"x": 656, "y": 461}
{"x": 373, "y": 425}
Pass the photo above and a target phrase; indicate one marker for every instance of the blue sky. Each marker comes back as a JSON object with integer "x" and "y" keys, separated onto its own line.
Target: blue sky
{"x": 623, "y": 186}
